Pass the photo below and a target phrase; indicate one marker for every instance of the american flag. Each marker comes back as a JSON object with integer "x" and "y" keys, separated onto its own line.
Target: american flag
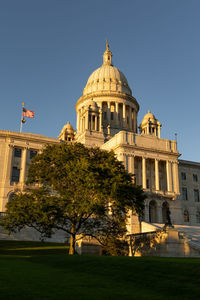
{"x": 28, "y": 113}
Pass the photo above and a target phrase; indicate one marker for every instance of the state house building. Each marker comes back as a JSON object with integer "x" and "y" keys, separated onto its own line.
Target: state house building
{"x": 107, "y": 117}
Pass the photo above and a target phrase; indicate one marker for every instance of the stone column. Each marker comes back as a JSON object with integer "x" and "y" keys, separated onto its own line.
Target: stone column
{"x": 100, "y": 120}
{"x": 130, "y": 118}
{"x": 87, "y": 120}
{"x": 159, "y": 131}
{"x": 117, "y": 113}
{"x": 108, "y": 112}
{"x": 157, "y": 184}
{"x": 95, "y": 125}
{"x": 81, "y": 124}
{"x": 144, "y": 177}
{"x": 23, "y": 166}
{"x": 175, "y": 177}
{"x": 77, "y": 121}
{"x": 135, "y": 121}
{"x": 148, "y": 128}
{"x": 132, "y": 166}
{"x": 124, "y": 115}
{"x": 169, "y": 176}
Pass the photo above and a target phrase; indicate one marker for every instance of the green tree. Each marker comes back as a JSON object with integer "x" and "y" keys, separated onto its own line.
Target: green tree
{"x": 82, "y": 191}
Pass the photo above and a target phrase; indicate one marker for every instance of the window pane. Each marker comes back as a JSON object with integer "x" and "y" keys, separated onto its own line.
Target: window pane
{"x": 196, "y": 195}
{"x": 17, "y": 152}
{"x": 15, "y": 174}
{"x": 184, "y": 193}
{"x": 198, "y": 217}
{"x": 195, "y": 178}
{"x": 32, "y": 153}
{"x": 183, "y": 176}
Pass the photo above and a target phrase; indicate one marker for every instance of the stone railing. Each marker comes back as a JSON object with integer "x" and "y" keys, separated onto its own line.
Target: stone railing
{"x": 141, "y": 141}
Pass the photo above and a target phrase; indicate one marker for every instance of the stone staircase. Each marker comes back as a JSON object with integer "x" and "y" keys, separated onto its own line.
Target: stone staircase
{"x": 191, "y": 234}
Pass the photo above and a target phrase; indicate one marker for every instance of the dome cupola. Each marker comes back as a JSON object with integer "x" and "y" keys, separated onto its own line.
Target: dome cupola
{"x": 150, "y": 125}
{"x": 67, "y": 133}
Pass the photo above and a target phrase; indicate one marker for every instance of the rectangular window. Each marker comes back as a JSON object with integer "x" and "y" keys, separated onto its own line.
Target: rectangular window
{"x": 15, "y": 174}
{"x": 184, "y": 193}
{"x": 195, "y": 177}
{"x": 196, "y": 195}
{"x": 112, "y": 116}
{"x": 183, "y": 175}
{"x": 17, "y": 152}
{"x": 32, "y": 153}
{"x": 198, "y": 217}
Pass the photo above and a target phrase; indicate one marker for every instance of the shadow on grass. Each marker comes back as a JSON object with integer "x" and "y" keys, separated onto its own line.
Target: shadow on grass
{"x": 87, "y": 277}
{"x": 29, "y": 248}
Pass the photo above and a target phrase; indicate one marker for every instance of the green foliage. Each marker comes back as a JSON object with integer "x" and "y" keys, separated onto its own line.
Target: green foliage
{"x": 83, "y": 191}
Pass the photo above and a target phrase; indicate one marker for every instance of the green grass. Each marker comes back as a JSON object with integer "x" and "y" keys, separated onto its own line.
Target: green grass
{"x": 30, "y": 271}
{"x": 26, "y": 248}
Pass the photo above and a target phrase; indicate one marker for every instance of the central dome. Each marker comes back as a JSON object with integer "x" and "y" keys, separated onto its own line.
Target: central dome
{"x": 107, "y": 78}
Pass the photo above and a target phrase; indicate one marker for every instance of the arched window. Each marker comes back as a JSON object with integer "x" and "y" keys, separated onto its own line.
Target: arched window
{"x": 153, "y": 211}
{"x": 186, "y": 216}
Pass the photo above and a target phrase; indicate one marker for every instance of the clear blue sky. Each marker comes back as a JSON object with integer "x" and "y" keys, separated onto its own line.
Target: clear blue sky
{"x": 48, "y": 49}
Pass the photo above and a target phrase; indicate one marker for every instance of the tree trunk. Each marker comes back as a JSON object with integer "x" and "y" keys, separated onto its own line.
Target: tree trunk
{"x": 72, "y": 241}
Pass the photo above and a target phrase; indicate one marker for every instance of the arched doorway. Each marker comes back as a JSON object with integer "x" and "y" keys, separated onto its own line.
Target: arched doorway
{"x": 165, "y": 208}
{"x": 152, "y": 211}
{"x": 186, "y": 216}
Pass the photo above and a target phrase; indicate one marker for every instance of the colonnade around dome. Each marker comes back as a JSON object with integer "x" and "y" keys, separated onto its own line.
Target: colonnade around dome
{"x": 108, "y": 117}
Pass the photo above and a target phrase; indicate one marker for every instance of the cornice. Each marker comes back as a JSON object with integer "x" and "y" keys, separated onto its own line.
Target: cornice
{"x": 123, "y": 96}
{"x": 27, "y": 137}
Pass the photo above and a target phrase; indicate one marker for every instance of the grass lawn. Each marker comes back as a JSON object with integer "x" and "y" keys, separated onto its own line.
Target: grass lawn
{"x": 34, "y": 270}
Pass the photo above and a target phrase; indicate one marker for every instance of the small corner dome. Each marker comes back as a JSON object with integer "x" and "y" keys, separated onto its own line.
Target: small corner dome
{"x": 149, "y": 117}
{"x": 107, "y": 78}
{"x": 92, "y": 104}
{"x": 68, "y": 127}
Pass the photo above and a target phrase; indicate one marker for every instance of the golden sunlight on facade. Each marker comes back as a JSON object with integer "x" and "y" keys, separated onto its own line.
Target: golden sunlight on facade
{"x": 107, "y": 117}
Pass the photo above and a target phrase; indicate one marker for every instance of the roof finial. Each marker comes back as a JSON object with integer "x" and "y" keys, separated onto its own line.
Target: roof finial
{"x": 107, "y": 46}
{"x": 107, "y": 57}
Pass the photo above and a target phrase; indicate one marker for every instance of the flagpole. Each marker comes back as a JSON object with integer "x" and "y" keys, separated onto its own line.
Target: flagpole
{"x": 21, "y": 118}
